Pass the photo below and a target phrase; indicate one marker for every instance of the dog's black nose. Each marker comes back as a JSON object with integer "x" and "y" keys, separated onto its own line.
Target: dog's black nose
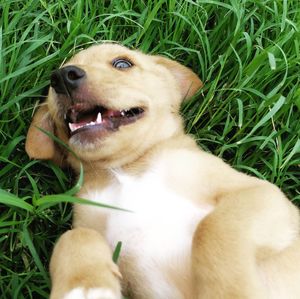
{"x": 67, "y": 79}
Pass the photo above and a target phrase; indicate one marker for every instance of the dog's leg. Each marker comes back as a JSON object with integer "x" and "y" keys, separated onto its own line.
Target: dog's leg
{"x": 81, "y": 267}
{"x": 247, "y": 226}
{"x": 281, "y": 273}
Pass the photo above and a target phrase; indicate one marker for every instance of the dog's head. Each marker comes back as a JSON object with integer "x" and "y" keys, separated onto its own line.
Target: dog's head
{"x": 110, "y": 103}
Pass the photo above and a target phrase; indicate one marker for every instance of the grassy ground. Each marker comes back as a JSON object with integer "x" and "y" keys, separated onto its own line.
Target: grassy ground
{"x": 246, "y": 52}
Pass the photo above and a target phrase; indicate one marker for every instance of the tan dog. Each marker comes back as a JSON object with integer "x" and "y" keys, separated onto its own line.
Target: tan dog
{"x": 199, "y": 229}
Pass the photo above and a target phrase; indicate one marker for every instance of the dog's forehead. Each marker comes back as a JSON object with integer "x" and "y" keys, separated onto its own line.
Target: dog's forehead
{"x": 105, "y": 52}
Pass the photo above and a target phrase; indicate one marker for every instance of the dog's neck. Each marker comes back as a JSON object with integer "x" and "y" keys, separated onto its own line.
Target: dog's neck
{"x": 103, "y": 171}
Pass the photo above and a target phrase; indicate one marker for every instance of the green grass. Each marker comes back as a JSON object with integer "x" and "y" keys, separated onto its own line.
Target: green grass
{"x": 248, "y": 113}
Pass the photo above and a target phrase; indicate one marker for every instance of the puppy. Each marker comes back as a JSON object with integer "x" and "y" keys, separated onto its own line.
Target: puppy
{"x": 196, "y": 228}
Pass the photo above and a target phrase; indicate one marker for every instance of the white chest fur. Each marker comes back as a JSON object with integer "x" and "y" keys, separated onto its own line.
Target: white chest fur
{"x": 159, "y": 230}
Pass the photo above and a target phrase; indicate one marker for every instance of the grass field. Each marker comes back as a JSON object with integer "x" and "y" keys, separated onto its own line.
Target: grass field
{"x": 246, "y": 52}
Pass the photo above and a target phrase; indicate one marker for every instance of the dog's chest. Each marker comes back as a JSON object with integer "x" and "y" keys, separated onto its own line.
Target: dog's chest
{"x": 157, "y": 232}
{"x": 157, "y": 215}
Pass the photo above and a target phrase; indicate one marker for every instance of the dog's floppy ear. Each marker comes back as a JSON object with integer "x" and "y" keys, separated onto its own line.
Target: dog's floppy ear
{"x": 189, "y": 83}
{"x": 38, "y": 144}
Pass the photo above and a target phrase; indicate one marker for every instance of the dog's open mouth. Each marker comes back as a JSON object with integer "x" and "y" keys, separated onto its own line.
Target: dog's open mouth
{"x": 82, "y": 116}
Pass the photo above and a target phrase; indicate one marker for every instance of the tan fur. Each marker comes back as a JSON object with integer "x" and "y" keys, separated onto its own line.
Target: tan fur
{"x": 89, "y": 263}
{"x": 246, "y": 248}
{"x": 42, "y": 145}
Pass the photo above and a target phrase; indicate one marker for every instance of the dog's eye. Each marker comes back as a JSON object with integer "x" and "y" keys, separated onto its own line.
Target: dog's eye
{"x": 121, "y": 63}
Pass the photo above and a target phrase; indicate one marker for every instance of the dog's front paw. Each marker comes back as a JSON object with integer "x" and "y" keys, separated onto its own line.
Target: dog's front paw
{"x": 92, "y": 293}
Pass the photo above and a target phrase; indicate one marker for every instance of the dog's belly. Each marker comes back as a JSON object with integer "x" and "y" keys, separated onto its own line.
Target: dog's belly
{"x": 156, "y": 236}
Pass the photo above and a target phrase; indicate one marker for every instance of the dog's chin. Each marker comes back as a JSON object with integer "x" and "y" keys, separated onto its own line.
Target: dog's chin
{"x": 97, "y": 143}
{"x": 89, "y": 137}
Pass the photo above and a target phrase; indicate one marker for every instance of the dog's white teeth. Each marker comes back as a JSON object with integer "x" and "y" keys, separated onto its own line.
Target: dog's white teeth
{"x": 73, "y": 127}
{"x": 123, "y": 113}
{"x": 99, "y": 118}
